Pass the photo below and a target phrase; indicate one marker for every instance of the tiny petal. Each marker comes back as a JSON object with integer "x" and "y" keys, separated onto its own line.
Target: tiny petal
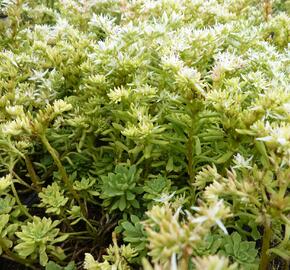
{"x": 265, "y": 139}
{"x": 222, "y": 226}
{"x": 199, "y": 219}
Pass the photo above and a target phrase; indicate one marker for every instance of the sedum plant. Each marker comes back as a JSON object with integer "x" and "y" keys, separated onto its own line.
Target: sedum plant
{"x": 52, "y": 198}
{"x": 173, "y": 239}
{"x": 37, "y": 238}
{"x": 119, "y": 189}
{"x": 244, "y": 252}
{"x": 163, "y": 123}
{"x": 116, "y": 258}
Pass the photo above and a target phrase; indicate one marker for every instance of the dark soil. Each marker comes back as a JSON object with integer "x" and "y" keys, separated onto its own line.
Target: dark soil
{"x": 9, "y": 265}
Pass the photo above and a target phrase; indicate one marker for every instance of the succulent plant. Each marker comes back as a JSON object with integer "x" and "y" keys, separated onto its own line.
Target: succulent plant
{"x": 4, "y": 230}
{"x": 52, "y": 199}
{"x": 117, "y": 257}
{"x": 120, "y": 189}
{"x": 37, "y": 239}
{"x": 134, "y": 233}
{"x": 243, "y": 252}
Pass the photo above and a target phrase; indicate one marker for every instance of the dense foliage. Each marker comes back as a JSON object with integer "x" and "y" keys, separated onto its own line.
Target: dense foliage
{"x": 145, "y": 134}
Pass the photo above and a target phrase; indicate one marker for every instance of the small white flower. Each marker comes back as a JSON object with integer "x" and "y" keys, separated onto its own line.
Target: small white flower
{"x": 280, "y": 135}
{"x": 104, "y": 22}
{"x": 61, "y": 24}
{"x": 38, "y": 76}
{"x": 149, "y": 5}
{"x": 165, "y": 198}
{"x": 241, "y": 162}
{"x": 171, "y": 61}
{"x": 188, "y": 73}
{"x": 212, "y": 214}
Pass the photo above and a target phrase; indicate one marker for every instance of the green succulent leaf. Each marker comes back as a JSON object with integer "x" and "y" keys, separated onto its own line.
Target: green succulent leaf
{"x": 243, "y": 252}
{"x": 119, "y": 189}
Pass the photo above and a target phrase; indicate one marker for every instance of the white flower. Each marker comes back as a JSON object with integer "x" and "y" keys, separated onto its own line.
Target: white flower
{"x": 61, "y": 25}
{"x": 165, "y": 198}
{"x": 149, "y": 5}
{"x": 171, "y": 61}
{"x": 104, "y": 22}
{"x": 280, "y": 135}
{"x": 213, "y": 214}
{"x": 38, "y": 76}
{"x": 189, "y": 73}
{"x": 225, "y": 62}
{"x": 241, "y": 162}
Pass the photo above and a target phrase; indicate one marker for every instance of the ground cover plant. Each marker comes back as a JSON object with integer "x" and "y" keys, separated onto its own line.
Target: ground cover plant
{"x": 144, "y": 134}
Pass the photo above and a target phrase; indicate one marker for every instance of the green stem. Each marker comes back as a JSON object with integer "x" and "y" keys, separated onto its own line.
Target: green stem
{"x": 22, "y": 207}
{"x": 20, "y": 181}
{"x": 190, "y": 151}
{"x": 33, "y": 176}
{"x": 264, "y": 262}
{"x": 75, "y": 233}
{"x": 63, "y": 173}
{"x": 83, "y": 237}
{"x": 190, "y": 157}
{"x": 65, "y": 220}
{"x": 91, "y": 226}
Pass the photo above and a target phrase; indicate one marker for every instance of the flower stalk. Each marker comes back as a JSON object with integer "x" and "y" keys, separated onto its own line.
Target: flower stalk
{"x": 63, "y": 173}
{"x": 264, "y": 262}
{"x": 33, "y": 176}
